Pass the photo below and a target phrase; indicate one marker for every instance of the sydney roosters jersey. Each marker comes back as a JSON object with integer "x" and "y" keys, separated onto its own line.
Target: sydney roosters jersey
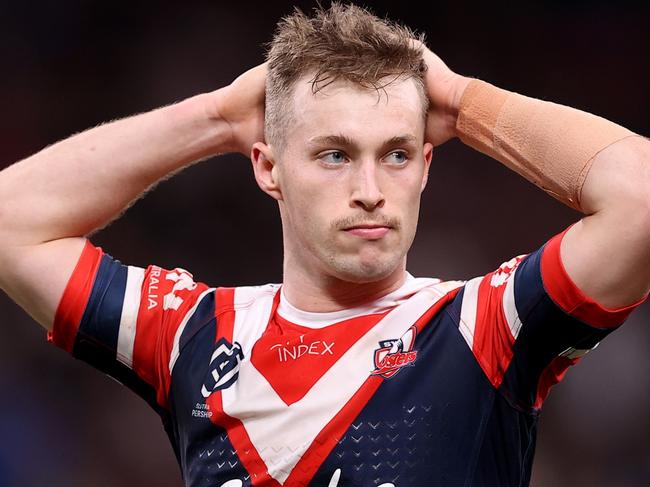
{"x": 438, "y": 383}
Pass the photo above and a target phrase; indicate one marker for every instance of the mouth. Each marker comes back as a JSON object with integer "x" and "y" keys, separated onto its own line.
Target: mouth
{"x": 370, "y": 231}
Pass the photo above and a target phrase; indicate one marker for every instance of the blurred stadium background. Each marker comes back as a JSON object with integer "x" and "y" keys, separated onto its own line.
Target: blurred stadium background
{"x": 68, "y": 65}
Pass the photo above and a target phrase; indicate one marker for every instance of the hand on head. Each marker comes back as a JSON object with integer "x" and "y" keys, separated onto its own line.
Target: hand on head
{"x": 445, "y": 89}
{"x": 241, "y": 104}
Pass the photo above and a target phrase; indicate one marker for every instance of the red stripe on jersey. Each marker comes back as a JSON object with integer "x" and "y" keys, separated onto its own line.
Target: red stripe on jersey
{"x": 552, "y": 374}
{"x": 247, "y": 453}
{"x": 327, "y": 439}
{"x": 423, "y": 320}
{"x": 493, "y": 340}
{"x": 241, "y": 442}
{"x": 566, "y": 294}
{"x": 75, "y": 297}
{"x": 293, "y": 358}
{"x": 225, "y": 312}
{"x": 162, "y": 310}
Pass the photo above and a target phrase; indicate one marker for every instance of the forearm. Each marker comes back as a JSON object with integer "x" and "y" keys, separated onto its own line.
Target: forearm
{"x": 590, "y": 164}
{"x": 551, "y": 145}
{"x": 82, "y": 183}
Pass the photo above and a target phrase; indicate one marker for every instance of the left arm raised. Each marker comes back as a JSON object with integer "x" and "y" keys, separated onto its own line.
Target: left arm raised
{"x": 590, "y": 164}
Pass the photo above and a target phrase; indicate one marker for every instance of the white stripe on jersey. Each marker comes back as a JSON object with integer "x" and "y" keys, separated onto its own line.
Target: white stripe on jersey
{"x": 255, "y": 303}
{"x": 128, "y": 319}
{"x": 177, "y": 337}
{"x": 263, "y": 413}
{"x": 509, "y": 306}
{"x": 573, "y": 353}
{"x": 468, "y": 310}
{"x": 381, "y": 305}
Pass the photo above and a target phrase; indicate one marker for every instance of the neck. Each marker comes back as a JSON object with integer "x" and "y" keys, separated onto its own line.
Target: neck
{"x": 320, "y": 293}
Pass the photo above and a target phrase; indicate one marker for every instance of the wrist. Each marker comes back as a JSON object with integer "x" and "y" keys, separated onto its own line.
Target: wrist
{"x": 551, "y": 145}
{"x": 213, "y": 132}
{"x": 237, "y": 111}
{"x": 458, "y": 87}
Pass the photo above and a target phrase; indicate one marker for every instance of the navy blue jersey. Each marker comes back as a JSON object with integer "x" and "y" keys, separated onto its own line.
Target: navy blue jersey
{"x": 437, "y": 383}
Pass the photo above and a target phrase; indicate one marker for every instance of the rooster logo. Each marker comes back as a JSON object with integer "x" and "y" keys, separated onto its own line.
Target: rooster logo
{"x": 394, "y": 354}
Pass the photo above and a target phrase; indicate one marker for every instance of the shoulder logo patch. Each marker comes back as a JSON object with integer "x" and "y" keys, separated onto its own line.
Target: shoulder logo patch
{"x": 394, "y": 354}
{"x": 505, "y": 271}
{"x": 182, "y": 281}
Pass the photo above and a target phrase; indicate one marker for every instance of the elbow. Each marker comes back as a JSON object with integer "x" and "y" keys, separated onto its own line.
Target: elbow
{"x": 4, "y": 226}
{"x": 637, "y": 209}
{"x": 634, "y": 206}
{"x": 640, "y": 191}
{"x": 628, "y": 180}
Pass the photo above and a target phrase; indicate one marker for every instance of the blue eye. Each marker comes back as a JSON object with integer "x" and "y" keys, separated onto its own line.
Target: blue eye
{"x": 397, "y": 157}
{"x": 334, "y": 157}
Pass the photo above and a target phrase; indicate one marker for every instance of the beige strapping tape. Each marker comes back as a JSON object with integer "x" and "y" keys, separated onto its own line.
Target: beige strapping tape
{"x": 551, "y": 145}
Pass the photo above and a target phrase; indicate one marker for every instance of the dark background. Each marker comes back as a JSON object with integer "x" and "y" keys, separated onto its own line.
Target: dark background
{"x": 67, "y": 65}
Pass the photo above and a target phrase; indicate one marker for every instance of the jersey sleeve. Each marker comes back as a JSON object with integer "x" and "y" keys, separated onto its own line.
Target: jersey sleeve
{"x": 528, "y": 322}
{"x": 126, "y": 321}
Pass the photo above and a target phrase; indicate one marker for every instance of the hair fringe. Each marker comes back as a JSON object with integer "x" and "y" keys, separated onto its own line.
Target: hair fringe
{"x": 342, "y": 42}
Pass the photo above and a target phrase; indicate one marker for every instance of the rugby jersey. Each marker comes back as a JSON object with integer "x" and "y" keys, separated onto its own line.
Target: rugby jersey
{"x": 437, "y": 383}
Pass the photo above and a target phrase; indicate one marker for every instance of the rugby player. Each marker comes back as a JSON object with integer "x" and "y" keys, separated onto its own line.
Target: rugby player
{"x": 351, "y": 371}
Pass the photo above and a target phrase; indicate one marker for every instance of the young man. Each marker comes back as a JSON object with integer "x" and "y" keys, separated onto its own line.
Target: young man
{"x": 352, "y": 372}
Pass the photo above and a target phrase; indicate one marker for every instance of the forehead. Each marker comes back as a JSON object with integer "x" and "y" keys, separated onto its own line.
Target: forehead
{"x": 360, "y": 113}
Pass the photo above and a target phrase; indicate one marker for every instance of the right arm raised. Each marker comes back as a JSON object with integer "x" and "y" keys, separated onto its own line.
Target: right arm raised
{"x": 50, "y": 201}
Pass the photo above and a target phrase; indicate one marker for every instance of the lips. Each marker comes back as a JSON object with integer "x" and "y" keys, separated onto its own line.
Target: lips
{"x": 368, "y": 232}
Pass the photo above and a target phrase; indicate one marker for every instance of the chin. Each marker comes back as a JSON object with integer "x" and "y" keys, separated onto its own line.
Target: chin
{"x": 364, "y": 272}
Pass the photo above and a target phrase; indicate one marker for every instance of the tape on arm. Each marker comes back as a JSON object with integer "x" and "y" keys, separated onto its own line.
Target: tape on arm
{"x": 551, "y": 145}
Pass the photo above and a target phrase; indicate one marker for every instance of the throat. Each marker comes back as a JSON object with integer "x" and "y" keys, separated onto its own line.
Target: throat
{"x": 332, "y": 294}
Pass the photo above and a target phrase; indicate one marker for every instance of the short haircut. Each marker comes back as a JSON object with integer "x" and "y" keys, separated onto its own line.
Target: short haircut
{"x": 343, "y": 42}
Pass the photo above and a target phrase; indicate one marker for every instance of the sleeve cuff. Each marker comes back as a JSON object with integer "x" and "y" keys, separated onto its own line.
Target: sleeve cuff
{"x": 75, "y": 297}
{"x": 570, "y": 298}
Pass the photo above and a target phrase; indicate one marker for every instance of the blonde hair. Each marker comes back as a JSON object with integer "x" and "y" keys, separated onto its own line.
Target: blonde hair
{"x": 344, "y": 42}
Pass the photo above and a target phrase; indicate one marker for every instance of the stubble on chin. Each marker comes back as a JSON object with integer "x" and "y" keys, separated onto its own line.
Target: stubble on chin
{"x": 360, "y": 269}
{"x": 358, "y": 262}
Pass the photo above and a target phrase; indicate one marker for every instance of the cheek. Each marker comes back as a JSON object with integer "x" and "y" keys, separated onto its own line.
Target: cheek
{"x": 406, "y": 189}
{"x": 406, "y": 201}
{"x": 312, "y": 194}
{"x": 309, "y": 211}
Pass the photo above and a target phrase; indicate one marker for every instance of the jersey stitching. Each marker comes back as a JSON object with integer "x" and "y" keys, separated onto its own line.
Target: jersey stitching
{"x": 237, "y": 307}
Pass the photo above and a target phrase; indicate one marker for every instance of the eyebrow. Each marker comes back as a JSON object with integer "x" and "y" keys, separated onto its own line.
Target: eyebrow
{"x": 345, "y": 141}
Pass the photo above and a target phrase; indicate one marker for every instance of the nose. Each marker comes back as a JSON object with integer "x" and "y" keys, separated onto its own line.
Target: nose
{"x": 366, "y": 192}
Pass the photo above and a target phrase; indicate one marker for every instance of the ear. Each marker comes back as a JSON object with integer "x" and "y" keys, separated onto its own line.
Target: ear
{"x": 265, "y": 169}
{"x": 428, "y": 154}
